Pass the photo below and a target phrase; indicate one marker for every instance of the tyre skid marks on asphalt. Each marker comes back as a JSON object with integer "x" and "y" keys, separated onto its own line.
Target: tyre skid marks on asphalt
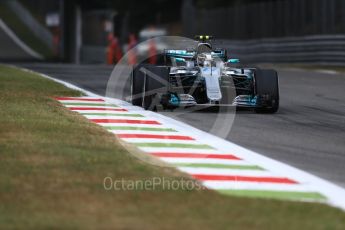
{"x": 215, "y": 168}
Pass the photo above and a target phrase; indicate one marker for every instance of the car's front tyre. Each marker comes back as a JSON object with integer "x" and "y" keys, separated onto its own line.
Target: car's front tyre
{"x": 267, "y": 90}
{"x": 148, "y": 81}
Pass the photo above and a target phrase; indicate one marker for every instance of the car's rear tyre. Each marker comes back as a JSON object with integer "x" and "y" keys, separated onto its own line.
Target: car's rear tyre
{"x": 137, "y": 85}
{"x": 267, "y": 90}
{"x": 148, "y": 82}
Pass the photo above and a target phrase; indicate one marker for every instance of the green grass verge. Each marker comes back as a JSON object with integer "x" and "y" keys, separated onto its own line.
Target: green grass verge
{"x": 23, "y": 32}
{"x": 53, "y": 163}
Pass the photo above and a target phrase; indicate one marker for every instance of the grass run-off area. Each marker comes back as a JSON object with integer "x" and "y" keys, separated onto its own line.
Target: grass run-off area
{"x": 53, "y": 163}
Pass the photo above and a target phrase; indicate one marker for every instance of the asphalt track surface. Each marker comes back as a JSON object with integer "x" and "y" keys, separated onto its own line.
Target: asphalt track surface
{"x": 308, "y": 131}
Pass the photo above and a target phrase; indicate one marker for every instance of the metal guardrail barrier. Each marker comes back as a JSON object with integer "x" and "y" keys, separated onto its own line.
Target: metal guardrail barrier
{"x": 291, "y": 31}
{"x": 317, "y": 49}
{"x": 93, "y": 54}
{"x": 263, "y": 19}
{"x": 320, "y": 49}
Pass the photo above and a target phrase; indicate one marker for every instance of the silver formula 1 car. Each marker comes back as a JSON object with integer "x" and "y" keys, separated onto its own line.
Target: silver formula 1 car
{"x": 203, "y": 75}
